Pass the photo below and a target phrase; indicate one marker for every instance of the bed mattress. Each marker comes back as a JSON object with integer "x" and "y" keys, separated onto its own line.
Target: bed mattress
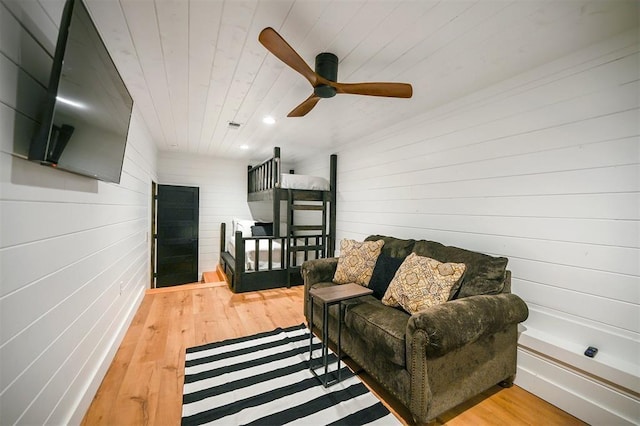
{"x": 263, "y": 254}
{"x": 293, "y": 181}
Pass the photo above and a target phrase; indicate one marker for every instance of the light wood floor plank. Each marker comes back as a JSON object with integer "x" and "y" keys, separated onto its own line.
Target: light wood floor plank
{"x": 180, "y": 331}
{"x": 144, "y": 384}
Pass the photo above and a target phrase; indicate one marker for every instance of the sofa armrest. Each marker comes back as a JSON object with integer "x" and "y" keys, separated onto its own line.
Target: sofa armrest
{"x": 319, "y": 270}
{"x": 316, "y": 271}
{"x": 454, "y": 324}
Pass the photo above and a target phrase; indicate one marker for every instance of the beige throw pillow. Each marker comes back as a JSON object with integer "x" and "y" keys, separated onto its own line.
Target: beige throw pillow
{"x": 356, "y": 261}
{"x": 421, "y": 282}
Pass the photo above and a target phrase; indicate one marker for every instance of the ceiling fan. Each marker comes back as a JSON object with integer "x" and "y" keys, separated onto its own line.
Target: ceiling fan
{"x": 323, "y": 79}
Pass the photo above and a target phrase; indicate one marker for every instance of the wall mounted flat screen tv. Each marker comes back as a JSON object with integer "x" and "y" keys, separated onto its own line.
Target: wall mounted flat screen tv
{"x": 86, "y": 114}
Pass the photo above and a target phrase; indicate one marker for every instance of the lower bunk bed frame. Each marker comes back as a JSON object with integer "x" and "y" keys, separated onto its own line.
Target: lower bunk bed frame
{"x": 301, "y": 242}
{"x": 240, "y": 279}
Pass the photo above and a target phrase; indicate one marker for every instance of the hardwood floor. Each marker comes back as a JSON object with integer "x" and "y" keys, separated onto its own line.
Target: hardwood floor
{"x": 144, "y": 384}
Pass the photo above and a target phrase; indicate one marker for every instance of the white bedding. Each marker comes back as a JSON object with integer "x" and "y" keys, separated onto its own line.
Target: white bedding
{"x": 289, "y": 181}
{"x": 250, "y": 254}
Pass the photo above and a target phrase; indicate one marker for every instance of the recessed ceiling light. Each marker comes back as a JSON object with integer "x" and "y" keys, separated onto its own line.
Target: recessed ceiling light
{"x": 244, "y": 147}
{"x": 268, "y": 120}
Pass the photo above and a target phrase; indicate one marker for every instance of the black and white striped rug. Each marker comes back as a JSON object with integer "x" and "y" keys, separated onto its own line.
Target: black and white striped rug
{"x": 264, "y": 379}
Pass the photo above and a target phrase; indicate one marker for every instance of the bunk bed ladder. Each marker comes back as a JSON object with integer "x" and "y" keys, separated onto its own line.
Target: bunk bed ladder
{"x": 300, "y": 237}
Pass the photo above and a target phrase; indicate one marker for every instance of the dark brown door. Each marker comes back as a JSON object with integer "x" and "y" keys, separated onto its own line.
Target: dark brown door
{"x": 177, "y": 261}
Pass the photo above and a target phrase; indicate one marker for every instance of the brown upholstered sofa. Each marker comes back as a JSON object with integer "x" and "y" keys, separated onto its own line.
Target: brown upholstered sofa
{"x": 439, "y": 357}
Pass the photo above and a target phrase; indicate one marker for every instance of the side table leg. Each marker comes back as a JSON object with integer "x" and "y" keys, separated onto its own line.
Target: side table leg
{"x": 310, "y": 325}
{"x": 325, "y": 342}
{"x": 340, "y": 319}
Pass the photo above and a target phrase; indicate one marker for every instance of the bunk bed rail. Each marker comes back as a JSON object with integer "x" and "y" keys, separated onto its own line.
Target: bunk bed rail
{"x": 266, "y": 175}
{"x": 269, "y": 263}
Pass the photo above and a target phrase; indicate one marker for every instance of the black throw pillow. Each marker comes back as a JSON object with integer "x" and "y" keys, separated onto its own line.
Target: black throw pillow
{"x": 262, "y": 229}
{"x": 383, "y": 273}
{"x": 258, "y": 231}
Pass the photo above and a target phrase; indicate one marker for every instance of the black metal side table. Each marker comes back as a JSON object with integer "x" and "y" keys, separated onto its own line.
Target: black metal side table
{"x": 329, "y": 296}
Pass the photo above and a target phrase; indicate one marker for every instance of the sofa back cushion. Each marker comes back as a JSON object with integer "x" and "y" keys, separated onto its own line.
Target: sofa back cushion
{"x": 394, "y": 247}
{"x": 484, "y": 274}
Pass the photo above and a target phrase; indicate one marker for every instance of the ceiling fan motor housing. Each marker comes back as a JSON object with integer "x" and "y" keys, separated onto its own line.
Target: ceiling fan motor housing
{"x": 326, "y": 67}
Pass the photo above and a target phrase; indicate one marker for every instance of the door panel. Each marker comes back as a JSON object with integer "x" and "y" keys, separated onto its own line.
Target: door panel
{"x": 177, "y": 235}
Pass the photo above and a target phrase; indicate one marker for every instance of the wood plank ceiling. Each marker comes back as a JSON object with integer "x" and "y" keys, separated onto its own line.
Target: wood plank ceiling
{"x": 193, "y": 66}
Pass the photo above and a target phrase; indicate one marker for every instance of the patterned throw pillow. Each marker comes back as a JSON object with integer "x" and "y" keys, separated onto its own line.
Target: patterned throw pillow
{"x": 421, "y": 282}
{"x": 356, "y": 261}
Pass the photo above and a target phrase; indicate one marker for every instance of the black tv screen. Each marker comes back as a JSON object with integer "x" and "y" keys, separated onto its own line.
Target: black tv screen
{"x": 86, "y": 114}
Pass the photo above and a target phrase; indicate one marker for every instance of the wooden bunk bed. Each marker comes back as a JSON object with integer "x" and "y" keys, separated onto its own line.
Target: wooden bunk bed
{"x": 258, "y": 262}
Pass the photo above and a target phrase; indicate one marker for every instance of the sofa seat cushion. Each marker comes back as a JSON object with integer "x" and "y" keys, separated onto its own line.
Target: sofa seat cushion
{"x": 381, "y": 327}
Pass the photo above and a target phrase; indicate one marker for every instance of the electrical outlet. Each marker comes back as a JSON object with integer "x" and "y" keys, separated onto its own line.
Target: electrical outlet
{"x": 591, "y": 351}
{"x": 121, "y": 286}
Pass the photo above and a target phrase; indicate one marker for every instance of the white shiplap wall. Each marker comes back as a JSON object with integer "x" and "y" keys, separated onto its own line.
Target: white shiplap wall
{"x": 223, "y": 196}
{"x": 542, "y": 168}
{"x": 74, "y": 252}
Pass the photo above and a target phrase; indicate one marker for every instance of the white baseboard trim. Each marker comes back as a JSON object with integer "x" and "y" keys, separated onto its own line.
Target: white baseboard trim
{"x": 585, "y": 397}
{"x": 84, "y": 400}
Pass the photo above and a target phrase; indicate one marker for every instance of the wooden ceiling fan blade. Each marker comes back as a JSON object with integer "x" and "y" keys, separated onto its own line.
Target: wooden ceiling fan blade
{"x": 306, "y": 106}
{"x": 277, "y": 45}
{"x": 391, "y": 90}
